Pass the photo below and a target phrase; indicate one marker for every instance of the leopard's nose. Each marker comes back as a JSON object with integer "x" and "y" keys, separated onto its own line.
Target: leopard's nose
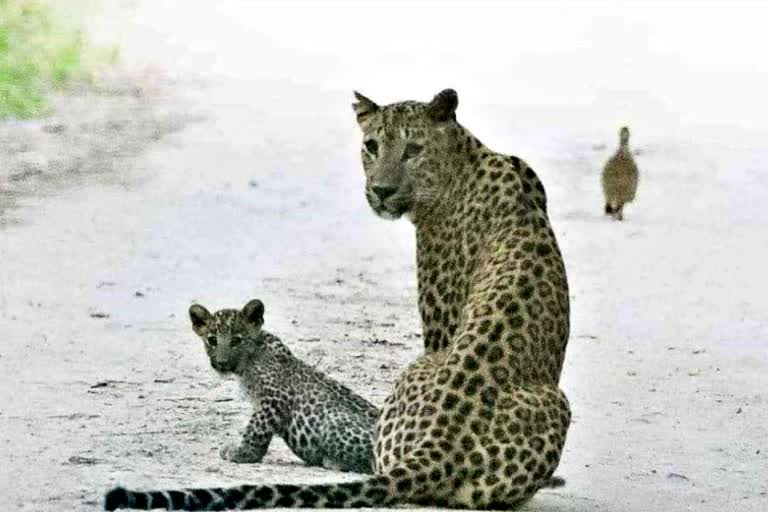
{"x": 383, "y": 192}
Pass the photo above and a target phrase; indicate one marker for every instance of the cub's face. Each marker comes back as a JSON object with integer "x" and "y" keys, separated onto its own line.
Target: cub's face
{"x": 403, "y": 144}
{"x": 229, "y": 335}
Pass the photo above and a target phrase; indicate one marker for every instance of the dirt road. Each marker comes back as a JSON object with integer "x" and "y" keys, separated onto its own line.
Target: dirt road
{"x": 259, "y": 194}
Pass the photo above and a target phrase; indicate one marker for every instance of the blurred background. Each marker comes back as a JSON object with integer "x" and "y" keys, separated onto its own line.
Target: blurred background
{"x": 158, "y": 153}
{"x": 646, "y": 63}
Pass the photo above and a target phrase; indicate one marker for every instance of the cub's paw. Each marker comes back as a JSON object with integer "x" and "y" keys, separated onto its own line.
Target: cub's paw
{"x": 238, "y": 454}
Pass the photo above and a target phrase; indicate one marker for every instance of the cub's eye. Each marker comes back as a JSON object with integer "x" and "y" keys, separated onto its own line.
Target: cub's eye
{"x": 372, "y": 146}
{"x": 211, "y": 340}
{"x": 412, "y": 150}
{"x": 235, "y": 341}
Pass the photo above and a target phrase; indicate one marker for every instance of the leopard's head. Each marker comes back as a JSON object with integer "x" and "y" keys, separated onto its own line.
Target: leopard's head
{"x": 406, "y": 152}
{"x": 230, "y": 336}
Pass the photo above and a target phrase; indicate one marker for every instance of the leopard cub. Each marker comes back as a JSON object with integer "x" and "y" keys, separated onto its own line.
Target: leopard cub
{"x": 322, "y": 421}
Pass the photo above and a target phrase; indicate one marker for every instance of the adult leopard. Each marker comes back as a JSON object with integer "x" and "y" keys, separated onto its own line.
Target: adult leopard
{"x": 478, "y": 421}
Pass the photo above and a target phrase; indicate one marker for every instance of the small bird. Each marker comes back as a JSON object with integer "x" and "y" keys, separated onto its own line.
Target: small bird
{"x": 620, "y": 177}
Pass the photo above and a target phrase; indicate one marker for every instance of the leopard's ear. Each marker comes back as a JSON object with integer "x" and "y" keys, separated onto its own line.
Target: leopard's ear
{"x": 443, "y": 106}
{"x": 200, "y": 317}
{"x": 253, "y": 312}
{"x": 363, "y": 108}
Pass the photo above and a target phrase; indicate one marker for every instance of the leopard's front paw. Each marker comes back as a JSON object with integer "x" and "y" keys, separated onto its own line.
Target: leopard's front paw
{"x": 238, "y": 454}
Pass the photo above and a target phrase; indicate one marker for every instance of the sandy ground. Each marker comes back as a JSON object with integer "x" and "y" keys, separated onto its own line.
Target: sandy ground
{"x": 91, "y": 136}
{"x": 258, "y": 193}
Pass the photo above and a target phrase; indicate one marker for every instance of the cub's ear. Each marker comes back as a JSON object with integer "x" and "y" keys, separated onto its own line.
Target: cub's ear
{"x": 364, "y": 107}
{"x": 253, "y": 312}
{"x": 443, "y": 106}
{"x": 199, "y": 317}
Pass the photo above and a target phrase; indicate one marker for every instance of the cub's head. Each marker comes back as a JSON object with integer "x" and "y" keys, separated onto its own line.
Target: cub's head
{"x": 406, "y": 151}
{"x": 230, "y": 336}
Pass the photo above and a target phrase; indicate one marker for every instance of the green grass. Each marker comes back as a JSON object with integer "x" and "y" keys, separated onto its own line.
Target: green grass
{"x": 38, "y": 53}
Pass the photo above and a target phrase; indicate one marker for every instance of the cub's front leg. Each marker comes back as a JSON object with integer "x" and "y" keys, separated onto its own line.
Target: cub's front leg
{"x": 256, "y": 439}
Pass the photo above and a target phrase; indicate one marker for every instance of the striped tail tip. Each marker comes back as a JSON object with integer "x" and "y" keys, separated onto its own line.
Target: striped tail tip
{"x": 116, "y": 498}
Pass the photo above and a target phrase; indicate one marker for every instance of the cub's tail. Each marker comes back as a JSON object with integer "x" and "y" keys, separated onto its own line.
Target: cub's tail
{"x": 364, "y": 494}
{"x": 554, "y": 482}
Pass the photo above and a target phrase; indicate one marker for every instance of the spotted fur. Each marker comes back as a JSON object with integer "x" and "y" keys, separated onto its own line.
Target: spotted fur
{"x": 478, "y": 421}
{"x": 620, "y": 176}
{"x": 323, "y": 422}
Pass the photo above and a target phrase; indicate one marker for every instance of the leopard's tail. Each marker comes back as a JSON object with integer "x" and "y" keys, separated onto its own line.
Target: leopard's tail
{"x": 377, "y": 491}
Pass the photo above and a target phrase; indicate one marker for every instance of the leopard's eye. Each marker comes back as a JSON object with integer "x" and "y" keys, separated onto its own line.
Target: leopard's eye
{"x": 211, "y": 340}
{"x": 372, "y": 147}
{"x": 235, "y": 341}
{"x": 412, "y": 150}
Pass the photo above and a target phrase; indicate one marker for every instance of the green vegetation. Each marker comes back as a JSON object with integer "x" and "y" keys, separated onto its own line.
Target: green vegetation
{"x": 38, "y": 53}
